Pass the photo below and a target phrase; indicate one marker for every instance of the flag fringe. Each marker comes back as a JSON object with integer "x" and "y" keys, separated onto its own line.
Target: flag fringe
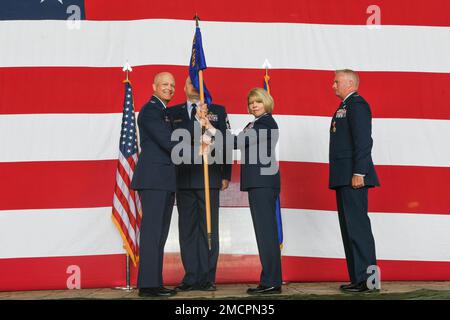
{"x": 130, "y": 253}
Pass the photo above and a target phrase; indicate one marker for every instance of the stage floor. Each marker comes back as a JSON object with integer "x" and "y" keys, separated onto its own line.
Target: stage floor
{"x": 316, "y": 290}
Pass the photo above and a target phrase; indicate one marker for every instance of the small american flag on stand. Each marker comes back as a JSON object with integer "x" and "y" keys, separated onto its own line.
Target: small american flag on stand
{"x": 126, "y": 212}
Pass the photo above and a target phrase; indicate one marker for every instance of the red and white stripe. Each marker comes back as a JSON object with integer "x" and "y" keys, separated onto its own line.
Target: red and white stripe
{"x": 59, "y": 143}
{"x": 126, "y": 211}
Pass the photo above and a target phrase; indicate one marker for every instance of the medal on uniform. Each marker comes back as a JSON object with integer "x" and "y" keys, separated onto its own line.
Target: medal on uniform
{"x": 333, "y": 126}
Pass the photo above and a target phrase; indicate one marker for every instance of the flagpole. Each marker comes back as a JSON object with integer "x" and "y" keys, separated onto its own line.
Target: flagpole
{"x": 267, "y": 78}
{"x": 128, "y": 286}
{"x": 266, "y": 66}
{"x": 205, "y": 160}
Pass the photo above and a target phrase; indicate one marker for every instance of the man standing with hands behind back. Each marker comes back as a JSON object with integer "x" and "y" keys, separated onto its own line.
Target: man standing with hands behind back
{"x": 351, "y": 174}
{"x": 154, "y": 179}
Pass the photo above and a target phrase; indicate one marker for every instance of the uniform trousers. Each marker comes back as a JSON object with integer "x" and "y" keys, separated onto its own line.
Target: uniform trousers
{"x": 157, "y": 208}
{"x": 199, "y": 262}
{"x": 262, "y": 207}
{"x": 356, "y": 231}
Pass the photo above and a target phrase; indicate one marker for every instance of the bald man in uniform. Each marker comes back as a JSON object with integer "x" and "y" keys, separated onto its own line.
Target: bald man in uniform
{"x": 352, "y": 173}
{"x": 154, "y": 178}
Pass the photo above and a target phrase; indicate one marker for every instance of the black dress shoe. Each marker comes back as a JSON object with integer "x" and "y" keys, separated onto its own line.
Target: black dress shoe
{"x": 185, "y": 287}
{"x": 209, "y": 286}
{"x": 264, "y": 290}
{"x": 359, "y": 288}
{"x": 345, "y": 286}
{"x": 164, "y": 290}
{"x": 156, "y": 292}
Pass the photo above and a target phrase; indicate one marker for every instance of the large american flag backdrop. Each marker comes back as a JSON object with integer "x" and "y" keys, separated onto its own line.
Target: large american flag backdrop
{"x": 61, "y": 106}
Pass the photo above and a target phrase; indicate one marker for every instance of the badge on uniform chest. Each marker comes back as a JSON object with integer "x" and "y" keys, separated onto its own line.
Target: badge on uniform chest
{"x": 212, "y": 116}
{"x": 341, "y": 113}
{"x": 166, "y": 118}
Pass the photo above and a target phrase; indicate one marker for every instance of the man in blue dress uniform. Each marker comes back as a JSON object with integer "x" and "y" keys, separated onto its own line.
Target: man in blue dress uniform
{"x": 352, "y": 173}
{"x": 199, "y": 262}
{"x": 154, "y": 178}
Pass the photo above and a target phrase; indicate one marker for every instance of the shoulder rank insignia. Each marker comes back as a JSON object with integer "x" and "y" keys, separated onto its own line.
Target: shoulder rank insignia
{"x": 248, "y": 126}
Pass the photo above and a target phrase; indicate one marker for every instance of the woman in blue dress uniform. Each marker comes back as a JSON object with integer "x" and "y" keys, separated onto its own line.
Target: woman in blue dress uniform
{"x": 260, "y": 177}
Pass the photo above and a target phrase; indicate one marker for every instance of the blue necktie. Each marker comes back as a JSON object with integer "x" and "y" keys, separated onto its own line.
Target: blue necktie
{"x": 193, "y": 111}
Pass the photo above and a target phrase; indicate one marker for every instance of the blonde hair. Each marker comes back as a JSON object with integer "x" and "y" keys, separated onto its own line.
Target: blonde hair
{"x": 260, "y": 95}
